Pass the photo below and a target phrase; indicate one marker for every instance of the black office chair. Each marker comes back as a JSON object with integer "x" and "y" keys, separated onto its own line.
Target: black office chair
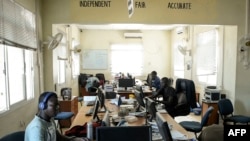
{"x": 15, "y": 136}
{"x": 101, "y": 78}
{"x": 226, "y": 110}
{"x": 196, "y": 127}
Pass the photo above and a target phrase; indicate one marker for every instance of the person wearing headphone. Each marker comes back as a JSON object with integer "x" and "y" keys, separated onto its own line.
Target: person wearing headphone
{"x": 43, "y": 127}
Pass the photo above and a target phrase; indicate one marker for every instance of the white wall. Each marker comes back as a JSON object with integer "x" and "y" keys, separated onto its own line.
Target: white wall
{"x": 156, "y": 45}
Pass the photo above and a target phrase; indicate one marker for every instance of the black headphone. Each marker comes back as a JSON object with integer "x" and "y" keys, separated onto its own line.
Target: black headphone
{"x": 43, "y": 105}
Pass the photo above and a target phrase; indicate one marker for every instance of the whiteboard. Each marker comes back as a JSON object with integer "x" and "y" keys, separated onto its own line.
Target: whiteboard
{"x": 95, "y": 59}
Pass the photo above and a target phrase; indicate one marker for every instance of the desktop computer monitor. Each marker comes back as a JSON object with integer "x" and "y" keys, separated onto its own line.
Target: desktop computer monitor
{"x": 125, "y": 83}
{"x": 151, "y": 108}
{"x": 163, "y": 127}
{"x": 101, "y": 98}
{"x": 106, "y": 119}
{"x": 95, "y": 111}
{"x": 124, "y": 133}
{"x": 139, "y": 96}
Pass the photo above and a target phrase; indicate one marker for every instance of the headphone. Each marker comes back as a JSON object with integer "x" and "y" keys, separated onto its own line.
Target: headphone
{"x": 43, "y": 105}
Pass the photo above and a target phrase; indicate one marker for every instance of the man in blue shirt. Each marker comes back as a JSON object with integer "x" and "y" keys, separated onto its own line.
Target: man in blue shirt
{"x": 155, "y": 80}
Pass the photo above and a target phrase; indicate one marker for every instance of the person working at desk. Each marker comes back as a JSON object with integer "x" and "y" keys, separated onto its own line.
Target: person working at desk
{"x": 154, "y": 81}
{"x": 43, "y": 127}
{"x": 92, "y": 84}
{"x": 168, "y": 94}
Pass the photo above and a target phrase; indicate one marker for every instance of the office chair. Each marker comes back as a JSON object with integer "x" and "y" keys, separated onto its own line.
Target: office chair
{"x": 196, "y": 127}
{"x": 15, "y": 136}
{"x": 226, "y": 110}
{"x": 187, "y": 86}
{"x": 63, "y": 116}
{"x": 101, "y": 78}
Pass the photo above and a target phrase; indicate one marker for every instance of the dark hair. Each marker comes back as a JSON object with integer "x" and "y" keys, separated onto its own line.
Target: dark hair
{"x": 43, "y": 95}
{"x": 165, "y": 80}
{"x": 154, "y": 72}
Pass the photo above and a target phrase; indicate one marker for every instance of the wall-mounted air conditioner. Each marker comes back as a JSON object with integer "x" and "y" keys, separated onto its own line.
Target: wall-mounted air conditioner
{"x": 133, "y": 35}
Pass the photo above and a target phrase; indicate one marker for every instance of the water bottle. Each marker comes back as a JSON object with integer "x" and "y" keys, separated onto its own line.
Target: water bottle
{"x": 90, "y": 131}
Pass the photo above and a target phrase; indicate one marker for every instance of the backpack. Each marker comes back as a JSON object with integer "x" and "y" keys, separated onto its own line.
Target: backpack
{"x": 81, "y": 130}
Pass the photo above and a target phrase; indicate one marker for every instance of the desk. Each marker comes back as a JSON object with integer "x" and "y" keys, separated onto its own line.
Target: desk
{"x": 80, "y": 118}
{"x": 68, "y": 106}
{"x": 214, "y": 118}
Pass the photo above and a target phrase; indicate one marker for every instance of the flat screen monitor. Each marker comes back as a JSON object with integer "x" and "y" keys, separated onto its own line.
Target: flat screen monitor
{"x": 151, "y": 108}
{"x": 125, "y": 83}
{"x": 95, "y": 111}
{"x": 163, "y": 127}
{"x": 139, "y": 96}
{"x": 101, "y": 98}
{"x": 106, "y": 119}
{"x": 124, "y": 133}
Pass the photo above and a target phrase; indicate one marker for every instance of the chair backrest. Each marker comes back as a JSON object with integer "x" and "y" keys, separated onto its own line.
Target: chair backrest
{"x": 182, "y": 108}
{"x": 206, "y": 116}
{"x": 66, "y": 93}
{"x": 225, "y": 107}
{"x": 15, "y": 136}
{"x": 101, "y": 78}
{"x": 187, "y": 86}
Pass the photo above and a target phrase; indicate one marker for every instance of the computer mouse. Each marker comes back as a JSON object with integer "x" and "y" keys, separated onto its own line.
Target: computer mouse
{"x": 88, "y": 114}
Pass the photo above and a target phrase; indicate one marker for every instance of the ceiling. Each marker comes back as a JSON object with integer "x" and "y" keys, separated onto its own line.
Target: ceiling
{"x": 128, "y": 27}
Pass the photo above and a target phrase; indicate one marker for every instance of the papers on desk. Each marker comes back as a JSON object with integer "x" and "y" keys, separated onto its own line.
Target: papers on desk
{"x": 89, "y": 99}
{"x": 176, "y": 135}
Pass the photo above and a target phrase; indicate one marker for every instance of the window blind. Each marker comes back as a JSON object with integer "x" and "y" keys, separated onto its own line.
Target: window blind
{"x": 17, "y": 25}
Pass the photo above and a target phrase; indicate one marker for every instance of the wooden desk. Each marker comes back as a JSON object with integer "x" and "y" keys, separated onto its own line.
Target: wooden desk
{"x": 68, "y": 106}
{"x": 214, "y": 118}
{"x": 80, "y": 118}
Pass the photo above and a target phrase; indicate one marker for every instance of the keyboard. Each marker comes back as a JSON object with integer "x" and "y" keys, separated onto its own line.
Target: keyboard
{"x": 124, "y": 91}
{"x": 90, "y": 103}
{"x": 90, "y": 111}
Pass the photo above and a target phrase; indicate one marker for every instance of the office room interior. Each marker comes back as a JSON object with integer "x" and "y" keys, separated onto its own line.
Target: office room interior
{"x": 97, "y": 28}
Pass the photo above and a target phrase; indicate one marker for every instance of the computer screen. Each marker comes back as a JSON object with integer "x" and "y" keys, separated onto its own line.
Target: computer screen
{"x": 139, "y": 96}
{"x": 101, "y": 98}
{"x": 124, "y": 133}
{"x": 95, "y": 111}
{"x": 106, "y": 119}
{"x": 163, "y": 127}
{"x": 125, "y": 83}
{"x": 151, "y": 108}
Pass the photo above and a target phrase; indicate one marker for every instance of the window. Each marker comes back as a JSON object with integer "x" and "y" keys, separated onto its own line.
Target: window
{"x": 206, "y": 69}
{"x": 17, "y": 34}
{"x": 16, "y": 76}
{"x": 127, "y": 58}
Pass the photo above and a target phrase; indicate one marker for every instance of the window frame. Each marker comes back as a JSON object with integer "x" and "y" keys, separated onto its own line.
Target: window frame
{"x": 27, "y": 81}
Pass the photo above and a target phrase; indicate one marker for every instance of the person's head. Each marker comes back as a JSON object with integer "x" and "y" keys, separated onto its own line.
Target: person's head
{"x": 153, "y": 74}
{"x": 164, "y": 82}
{"x": 48, "y": 105}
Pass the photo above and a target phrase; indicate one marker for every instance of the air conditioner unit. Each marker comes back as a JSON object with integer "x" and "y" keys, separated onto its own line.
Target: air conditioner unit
{"x": 133, "y": 35}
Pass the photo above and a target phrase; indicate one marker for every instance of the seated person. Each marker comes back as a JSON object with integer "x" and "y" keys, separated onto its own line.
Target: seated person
{"x": 168, "y": 94}
{"x": 154, "y": 81}
{"x": 92, "y": 82}
{"x": 43, "y": 126}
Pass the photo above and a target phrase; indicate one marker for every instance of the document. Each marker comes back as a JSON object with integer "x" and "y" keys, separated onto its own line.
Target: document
{"x": 89, "y": 98}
